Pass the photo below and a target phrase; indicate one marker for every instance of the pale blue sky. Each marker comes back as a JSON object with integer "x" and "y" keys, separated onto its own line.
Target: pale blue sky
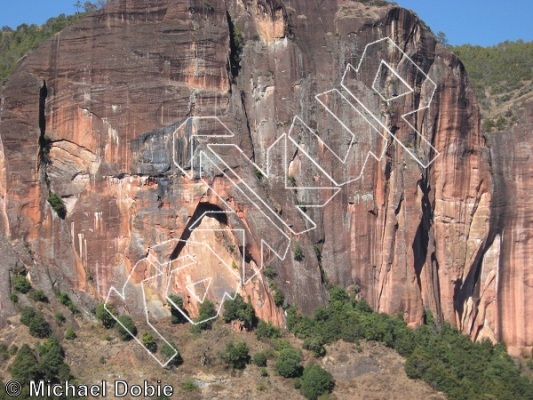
{"x": 484, "y": 22}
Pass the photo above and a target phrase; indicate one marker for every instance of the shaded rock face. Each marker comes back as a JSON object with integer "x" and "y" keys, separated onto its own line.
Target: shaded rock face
{"x": 119, "y": 97}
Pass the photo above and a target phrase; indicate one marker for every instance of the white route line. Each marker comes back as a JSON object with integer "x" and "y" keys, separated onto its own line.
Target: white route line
{"x": 213, "y": 155}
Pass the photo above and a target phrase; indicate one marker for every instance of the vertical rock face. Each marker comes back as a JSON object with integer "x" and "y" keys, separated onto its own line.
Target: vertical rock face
{"x": 108, "y": 115}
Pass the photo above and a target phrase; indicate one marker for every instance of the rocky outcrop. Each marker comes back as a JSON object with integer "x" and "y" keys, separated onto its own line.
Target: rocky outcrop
{"x": 106, "y": 114}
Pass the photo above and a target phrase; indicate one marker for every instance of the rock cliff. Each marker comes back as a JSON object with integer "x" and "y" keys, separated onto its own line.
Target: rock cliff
{"x": 114, "y": 115}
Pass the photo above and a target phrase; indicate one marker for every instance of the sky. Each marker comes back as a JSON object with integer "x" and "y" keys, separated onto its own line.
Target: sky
{"x": 482, "y": 22}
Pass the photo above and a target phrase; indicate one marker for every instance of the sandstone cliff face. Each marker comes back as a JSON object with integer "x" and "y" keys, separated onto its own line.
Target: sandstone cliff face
{"x": 120, "y": 95}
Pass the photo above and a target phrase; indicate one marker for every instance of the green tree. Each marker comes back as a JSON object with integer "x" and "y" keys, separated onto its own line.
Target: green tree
{"x": 104, "y": 316}
{"x": 236, "y": 355}
{"x": 25, "y": 367}
{"x": 238, "y": 309}
{"x": 36, "y": 323}
{"x": 21, "y": 284}
{"x": 58, "y": 205}
{"x": 149, "y": 342}
{"x": 126, "y": 327}
{"x": 70, "y": 334}
{"x": 171, "y": 350}
{"x": 316, "y": 381}
{"x": 52, "y": 365}
{"x": 267, "y": 330}
{"x": 288, "y": 363}
{"x": 38, "y": 295}
{"x": 207, "y": 313}
{"x": 260, "y": 359}
{"x": 176, "y": 316}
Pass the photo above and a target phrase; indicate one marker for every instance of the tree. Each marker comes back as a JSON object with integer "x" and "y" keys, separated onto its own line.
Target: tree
{"x": 36, "y": 323}
{"x": 260, "y": 359}
{"x": 288, "y": 363}
{"x": 267, "y": 330}
{"x": 58, "y": 205}
{"x": 176, "y": 315}
{"x": 207, "y": 313}
{"x": 25, "y": 366}
{"x": 104, "y": 316}
{"x": 236, "y": 355}
{"x": 21, "y": 284}
{"x": 316, "y": 381}
{"x": 238, "y": 309}
{"x": 70, "y": 334}
{"x": 441, "y": 37}
{"x": 149, "y": 342}
{"x": 38, "y": 295}
{"x": 298, "y": 253}
{"x": 126, "y": 327}
{"x": 171, "y": 350}
{"x": 52, "y": 365}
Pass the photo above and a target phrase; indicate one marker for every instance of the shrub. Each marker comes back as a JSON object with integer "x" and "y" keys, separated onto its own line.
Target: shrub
{"x": 316, "y": 381}
{"x": 51, "y": 363}
{"x": 60, "y": 318}
{"x": 288, "y": 363}
{"x": 104, "y": 316}
{"x": 64, "y": 299}
{"x": 21, "y": 284}
{"x": 56, "y": 202}
{"x": 236, "y": 355}
{"x": 149, "y": 342}
{"x": 126, "y": 327}
{"x": 189, "y": 386}
{"x": 14, "y": 298}
{"x": 315, "y": 345}
{"x": 25, "y": 367}
{"x": 38, "y": 295}
{"x": 260, "y": 359}
{"x": 279, "y": 297}
{"x": 238, "y": 309}
{"x": 267, "y": 330}
{"x": 176, "y": 316}
{"x": 36, "y": 323}
{"x": 298, "y": 253}
{"x": 269, "y": 272}
{"x": 70, "y": 334}
{"x": 207, "y": 313}
{"x": 171, "y": 350}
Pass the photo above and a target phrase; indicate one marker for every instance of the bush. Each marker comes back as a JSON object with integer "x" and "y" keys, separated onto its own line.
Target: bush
{"x": 316, "y": 381}
{"x": 149, "y": 342}
{"x": 236, "y": 355}
{"x": 126, "y": 327}
{"x": 58, "y": 205}
{"x": 21, "y": 284}
{"x": 36, "y": 323}
{"x": 288, "y": 363}
{"x": 260, "y": 359}
{"x": 269, "y": 272}
{"x": 66, "y": 301}
{"x": 267, "y": 330}
{"x": 51, "y": 364}
{"x": 25, "y": 367}
{"x": 38, "y": 295}
{"x": 298, "y": 253}
{"x": 207, "y": 313}
{"x": 279, "y": 297}
{"x": 189, "y": 386}
{"x": 171, "y": 350}
{"x": 104, "y": 316}
{"x": 238, "y": 309}
{"x": 60, "y": 318}
{"x": 176, "y": 316}
{"x": 14, "y": 298}
{"x": 70, "y": 334}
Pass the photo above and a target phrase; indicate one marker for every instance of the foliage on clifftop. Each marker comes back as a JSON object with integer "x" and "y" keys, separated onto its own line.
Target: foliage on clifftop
{"x": 502, "y": 76}
{"x": 15, "y": 43}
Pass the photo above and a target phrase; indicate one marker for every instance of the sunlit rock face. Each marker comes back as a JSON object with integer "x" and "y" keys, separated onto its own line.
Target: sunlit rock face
{"x": 424, "y": 223}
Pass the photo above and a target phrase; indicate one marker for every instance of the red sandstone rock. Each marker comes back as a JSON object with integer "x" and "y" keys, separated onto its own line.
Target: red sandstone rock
{"x": 120, "y": 82}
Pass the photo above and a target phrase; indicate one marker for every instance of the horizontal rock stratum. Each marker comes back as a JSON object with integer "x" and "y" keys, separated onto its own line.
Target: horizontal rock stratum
{"x": 109, "y": 115}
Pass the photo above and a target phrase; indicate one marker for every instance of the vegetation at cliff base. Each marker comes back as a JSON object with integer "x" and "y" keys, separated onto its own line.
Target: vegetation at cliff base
{"x": 436, "y": 352}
